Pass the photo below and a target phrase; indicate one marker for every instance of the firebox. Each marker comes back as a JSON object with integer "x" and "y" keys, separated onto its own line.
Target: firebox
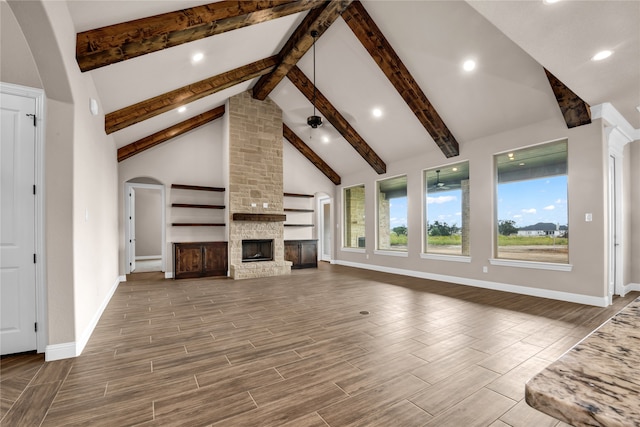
{"x": 257, "y": 250}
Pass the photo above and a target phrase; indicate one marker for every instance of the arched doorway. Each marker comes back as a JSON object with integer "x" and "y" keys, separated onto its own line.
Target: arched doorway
{"x": 144, "y": 225}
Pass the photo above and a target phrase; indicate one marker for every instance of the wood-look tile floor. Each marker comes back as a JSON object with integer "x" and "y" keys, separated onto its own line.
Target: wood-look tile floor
{"x": 298, "y": 351}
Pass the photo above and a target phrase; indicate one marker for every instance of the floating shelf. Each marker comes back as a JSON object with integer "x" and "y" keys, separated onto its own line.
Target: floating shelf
{"x": 197, "y": 187}
{"x": 190, "y": 205}
{"x": 298, "y": 210}
{"x": 309, "y": 196}
{"x": 197, "y": 224}
{"x": 298, "y": 225}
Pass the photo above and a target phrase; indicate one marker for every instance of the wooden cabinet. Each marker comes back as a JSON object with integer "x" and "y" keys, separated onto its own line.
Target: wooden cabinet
{"x": 303, "y": 253}
{"x": 200, "y": 259}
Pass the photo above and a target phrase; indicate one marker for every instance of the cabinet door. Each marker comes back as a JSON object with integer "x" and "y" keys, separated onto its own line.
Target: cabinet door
{"x": 187, "y": 260}
{"x": 215, "y": 259}
{"x": 309, "y": 253}
{"x": 292, "y": 252}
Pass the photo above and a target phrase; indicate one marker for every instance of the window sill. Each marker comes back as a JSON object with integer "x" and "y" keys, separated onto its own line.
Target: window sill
{"x": 531, "y": 264}
{"x": 391, "y": 253}
{"x": 357, "y": 250}
{"x": 440, "y": 257}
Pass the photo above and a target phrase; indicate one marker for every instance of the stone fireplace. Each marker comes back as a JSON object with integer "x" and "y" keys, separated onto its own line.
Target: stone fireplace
{"x": 255, "y": 184}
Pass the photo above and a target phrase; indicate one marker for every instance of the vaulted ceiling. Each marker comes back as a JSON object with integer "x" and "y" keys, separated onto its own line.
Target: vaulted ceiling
{"x": 404, "y": 58}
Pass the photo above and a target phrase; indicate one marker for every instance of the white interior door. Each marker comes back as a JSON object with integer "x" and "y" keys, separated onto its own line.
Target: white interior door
{"x": 17, "y": 230}
{"x": 132, "y": 228}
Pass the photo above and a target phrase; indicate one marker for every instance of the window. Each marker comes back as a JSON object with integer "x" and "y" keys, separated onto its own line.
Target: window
{"x": 447, "y": 210}
{"x": 354, "y": 226}
{"x": 532, "y": 217}
{"x": 392, "y": 214}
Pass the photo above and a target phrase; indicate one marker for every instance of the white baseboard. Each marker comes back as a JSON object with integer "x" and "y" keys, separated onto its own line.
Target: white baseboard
{"x": 630, "y": 287}
{"x": 523, "y": 290}
{"x": 168, "y": 274}
{"x": 80, "y": 345}
{"x": 74, "y": 349}
{"x": 60, "y": 351}
{"x": 142, "y": 258}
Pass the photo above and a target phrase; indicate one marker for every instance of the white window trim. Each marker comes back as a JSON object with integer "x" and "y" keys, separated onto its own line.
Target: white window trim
{"x": 441, "y": 257}
{"x": 404, "y": 254}
{"x": 531, "y": 264}
{"x": 356, "y": 250}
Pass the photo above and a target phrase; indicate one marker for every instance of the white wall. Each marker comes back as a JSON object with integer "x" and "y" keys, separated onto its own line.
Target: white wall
{"x": 80, "y": 176}
{"x": 194, "y": 158}
{"x": 634, "y": 221}
{"x": 148, "y": 222}
{"x": 302, "y": 177}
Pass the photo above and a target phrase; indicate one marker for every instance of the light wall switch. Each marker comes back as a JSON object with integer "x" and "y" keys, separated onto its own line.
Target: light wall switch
{"x": 588, "y": 217}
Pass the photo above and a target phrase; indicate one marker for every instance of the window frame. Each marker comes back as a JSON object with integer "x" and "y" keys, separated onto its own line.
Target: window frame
{"x": 390, "y": 251}
{"x": 465, "y": 258}
{"x": 346, "y": 223}
{"x": 532, "y": 264}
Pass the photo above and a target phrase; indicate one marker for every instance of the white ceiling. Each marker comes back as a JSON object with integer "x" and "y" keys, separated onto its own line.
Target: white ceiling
{"x": 508, "y": 39}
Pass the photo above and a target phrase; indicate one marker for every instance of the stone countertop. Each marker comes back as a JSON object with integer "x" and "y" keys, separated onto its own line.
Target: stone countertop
{"x": 597, "y": 382}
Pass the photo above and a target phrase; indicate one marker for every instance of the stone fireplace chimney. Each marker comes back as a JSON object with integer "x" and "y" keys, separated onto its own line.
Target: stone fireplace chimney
{"x": 255, "y": 184}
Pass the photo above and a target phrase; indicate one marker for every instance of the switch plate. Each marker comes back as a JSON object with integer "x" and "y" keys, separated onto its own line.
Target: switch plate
{"x": 588, "y": 217}
{"x": 265, "y": 205}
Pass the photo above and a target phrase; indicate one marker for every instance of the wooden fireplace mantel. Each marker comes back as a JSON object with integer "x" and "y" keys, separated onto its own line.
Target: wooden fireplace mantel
{"x": 260, "y": 217}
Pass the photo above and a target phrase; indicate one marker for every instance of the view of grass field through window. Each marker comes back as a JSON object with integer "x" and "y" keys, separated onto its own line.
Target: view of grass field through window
{"x": 532, "y": 217}
{"x": 447, "y": 210}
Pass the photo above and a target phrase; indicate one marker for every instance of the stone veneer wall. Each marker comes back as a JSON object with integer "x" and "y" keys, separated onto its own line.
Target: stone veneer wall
{"x": 255, "y": 176}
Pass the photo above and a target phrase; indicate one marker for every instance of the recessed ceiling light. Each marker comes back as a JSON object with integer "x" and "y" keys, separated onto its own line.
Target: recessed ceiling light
{"x": 521, "y": 164}
{"x": 197, "y": 57}
{"x": 182, "y": 109}
{"x": 455, "y": 169}
{"x": 469, "y": 65}
{"x": 376, "y": 112}
{"x": 325, "y": 139}
{"x": 603, "y": 54}
{"x": 550, "y": 1}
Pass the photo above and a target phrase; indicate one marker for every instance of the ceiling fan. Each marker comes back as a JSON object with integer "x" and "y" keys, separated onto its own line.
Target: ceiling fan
{"x": 439, "y": 185}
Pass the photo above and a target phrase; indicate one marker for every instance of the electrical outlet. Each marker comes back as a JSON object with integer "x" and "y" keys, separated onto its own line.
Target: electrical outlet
{"x": 265, "y": 205}
{"x": 485, "y": 269}
{"x": 588, "y": 217}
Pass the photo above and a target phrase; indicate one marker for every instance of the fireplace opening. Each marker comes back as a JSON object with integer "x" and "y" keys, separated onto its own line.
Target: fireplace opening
{"x": 257, "y": 250}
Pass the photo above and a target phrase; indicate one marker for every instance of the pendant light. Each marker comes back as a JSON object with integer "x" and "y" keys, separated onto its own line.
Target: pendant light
{"x": 314, "y": 121}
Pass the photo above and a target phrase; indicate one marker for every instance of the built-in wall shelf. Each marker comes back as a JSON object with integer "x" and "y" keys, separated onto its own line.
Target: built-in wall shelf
{"x": 309, "y": 196}
{"x": 197, "y": 187}
{"x": 197, "y": 224}
{"x": 190, "y": 205}
{"x": 302, "y": 209}
{"x": 186, "y": 220}
{"x": 298, "y": 210}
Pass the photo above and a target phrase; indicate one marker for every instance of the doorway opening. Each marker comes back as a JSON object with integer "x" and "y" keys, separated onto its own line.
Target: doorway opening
{"x": 324, "y": 229}
{"x": 144, "y": 226}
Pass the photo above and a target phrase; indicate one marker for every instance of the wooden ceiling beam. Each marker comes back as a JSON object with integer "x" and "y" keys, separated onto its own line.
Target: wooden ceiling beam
{"x": 146, "y": 109}
{"x": 371, "y": 37}
{"x": 299, "y": 43}
{"x": 114, "y": 43}
{"x": 145, "y": 143}
{"x": 341, "y": 124}
{"x": 310, "y": 154}
{"x": 575, "y": 111}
